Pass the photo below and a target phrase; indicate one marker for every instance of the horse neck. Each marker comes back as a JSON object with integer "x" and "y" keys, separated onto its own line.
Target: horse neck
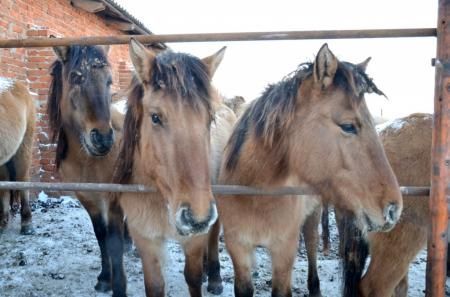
{"x": 263, "y": 166}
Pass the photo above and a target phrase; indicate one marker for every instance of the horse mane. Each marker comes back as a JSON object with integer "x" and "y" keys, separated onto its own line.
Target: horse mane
{"x": 269, "y": 116}
{"x": 182, "y": 76}
{"x": 54, "y": 111}
{"x": 131, "y": 136}
{"x": 80, "y": 58}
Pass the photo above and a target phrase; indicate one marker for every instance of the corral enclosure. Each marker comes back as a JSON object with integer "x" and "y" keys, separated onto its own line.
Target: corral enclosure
{"x": 442, "y": 141}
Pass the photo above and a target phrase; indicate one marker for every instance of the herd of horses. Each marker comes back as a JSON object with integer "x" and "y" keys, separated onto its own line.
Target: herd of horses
{"x": 312, "y": 128}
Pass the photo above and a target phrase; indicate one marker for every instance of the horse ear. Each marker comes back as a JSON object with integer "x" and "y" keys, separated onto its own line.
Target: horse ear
{"x": 212, "y": 62}
{"x": 142, "y": 59}
{"x": 61, "y": 52}
{"x": 325, "y": 67}
{"x": 363, "y": 65}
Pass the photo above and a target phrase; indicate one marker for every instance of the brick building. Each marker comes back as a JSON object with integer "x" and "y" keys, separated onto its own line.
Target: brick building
{"x": 42, "y": 18}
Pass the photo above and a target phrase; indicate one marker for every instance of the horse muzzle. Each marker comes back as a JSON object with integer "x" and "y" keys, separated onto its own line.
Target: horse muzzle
{"x": 100, "y": 144}
{"x": 188, "y": 225}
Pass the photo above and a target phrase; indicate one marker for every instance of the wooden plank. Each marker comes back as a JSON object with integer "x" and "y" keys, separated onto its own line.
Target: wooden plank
{"x": 88, "y": 5}
{"x": 209, "y": 37}
{"x": 120, "y": 25}
{"x": 437, "y": 237}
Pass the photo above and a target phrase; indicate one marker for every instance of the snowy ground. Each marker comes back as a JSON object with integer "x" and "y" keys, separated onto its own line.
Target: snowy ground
{"x": 62, "y": 259}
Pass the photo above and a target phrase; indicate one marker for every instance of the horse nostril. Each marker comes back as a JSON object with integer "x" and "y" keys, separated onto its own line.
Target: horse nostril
{"x": 102, "y": 142}
{"x": 391, "y": 213}
{"x": 95, "y": 136}
{"x": 186, "y": 216}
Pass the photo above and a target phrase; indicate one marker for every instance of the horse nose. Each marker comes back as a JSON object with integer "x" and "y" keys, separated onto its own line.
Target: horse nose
{"x": 187, "y": 224}
{"x": 102, "y": 141}
{"x": 391, "y": 213}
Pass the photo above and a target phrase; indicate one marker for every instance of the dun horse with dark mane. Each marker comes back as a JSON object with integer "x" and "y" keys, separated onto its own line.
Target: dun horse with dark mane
{"x": 167, "y": 145}
{"x": 17, "y": 123}
{"x": 313, "y": 128}
{"x": 87, "y": 132}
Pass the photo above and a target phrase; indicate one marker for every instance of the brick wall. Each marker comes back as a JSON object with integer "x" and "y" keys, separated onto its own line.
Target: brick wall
{"x": 39, "y": 18}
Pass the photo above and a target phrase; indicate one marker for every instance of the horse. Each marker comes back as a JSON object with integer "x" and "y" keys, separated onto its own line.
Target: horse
{"x": 87, "y": 132}
{"x": 166, "y": 145}
{"x": 17, "y": 125}
{"x": 407, "y": 142}
{"x": 309, "y": 229}
{"x": 237, "y": 104}
{"x": 312, "y": 128}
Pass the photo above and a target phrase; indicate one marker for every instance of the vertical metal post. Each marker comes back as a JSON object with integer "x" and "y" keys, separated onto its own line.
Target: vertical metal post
{"x": 437, "y": 238}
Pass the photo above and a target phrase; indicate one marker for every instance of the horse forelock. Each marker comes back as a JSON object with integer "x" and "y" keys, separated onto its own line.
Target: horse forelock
{"x": 355, "y": 81}
{"x": 183, "y": 77}
{"x": 82, "y": 58}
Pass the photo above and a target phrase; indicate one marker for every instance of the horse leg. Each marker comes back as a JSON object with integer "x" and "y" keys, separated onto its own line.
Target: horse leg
{"x": 242, "y": 258}
{"x": 151, "y": 255}
{"x": 311, "y": 236}
{"x": 22, "y": 163}
{"x": 4, "y": 209}
{"x": 448, "y": 259}
{"x": 115, "y": 248}
{"x": 283, "y": 256}
{"x": 402, "y": 288}
{"x": 26, "y": 227}
{"x": 194, "y": 250}
{"x": 104, "y": 278}
{"x": 128, "y": 241}
{"x": 214, "y": 279}
{"x": 100, "y": 229}
{"x": 325, "y": 229}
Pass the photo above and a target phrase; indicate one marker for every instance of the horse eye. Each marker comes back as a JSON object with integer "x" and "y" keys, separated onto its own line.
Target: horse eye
{"x": 109, "y": 82}
{"x": 349, "y": 128}
{"x": 156, "y": 119}
{"x": 76, "y": 78}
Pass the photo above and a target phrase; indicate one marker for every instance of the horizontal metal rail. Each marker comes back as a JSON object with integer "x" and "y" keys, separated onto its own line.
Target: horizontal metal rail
{"x": 210, "y": 37}
{"x": 217, "y": 189}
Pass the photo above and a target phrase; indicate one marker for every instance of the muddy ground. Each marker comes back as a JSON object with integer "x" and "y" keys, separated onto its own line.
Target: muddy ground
{"x": 62, "y": 259}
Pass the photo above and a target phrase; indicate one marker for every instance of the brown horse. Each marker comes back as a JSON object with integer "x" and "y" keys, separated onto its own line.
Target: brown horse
{"x": 87, "y": 132}
{"x": 407, "y": 142}
{"x": 17, "y": 124}
{"x": 309, "y": 229}
{"x": 313, "y": 128}
{"x": 167, "y": 145}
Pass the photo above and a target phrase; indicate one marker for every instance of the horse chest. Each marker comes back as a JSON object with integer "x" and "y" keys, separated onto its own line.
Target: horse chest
{"x": 148, "y": 215}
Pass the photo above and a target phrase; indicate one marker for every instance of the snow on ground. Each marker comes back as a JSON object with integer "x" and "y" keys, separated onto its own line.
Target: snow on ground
{"x": 62, "y": 259}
